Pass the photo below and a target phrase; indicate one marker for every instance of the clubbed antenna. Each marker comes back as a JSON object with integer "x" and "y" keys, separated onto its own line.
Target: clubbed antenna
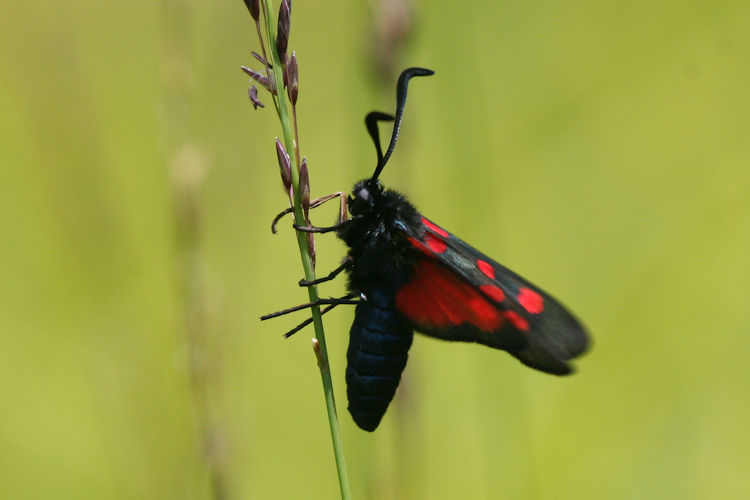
{"x": 401, "y": 86}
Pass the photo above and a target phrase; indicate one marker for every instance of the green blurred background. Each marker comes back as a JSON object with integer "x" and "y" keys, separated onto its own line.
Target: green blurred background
{"x": 600, "y": 149}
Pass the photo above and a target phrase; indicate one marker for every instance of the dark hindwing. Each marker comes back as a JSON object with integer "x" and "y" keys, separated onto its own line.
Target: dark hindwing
{"x": 379, "y": 342}
{"x": 457, "y": 293}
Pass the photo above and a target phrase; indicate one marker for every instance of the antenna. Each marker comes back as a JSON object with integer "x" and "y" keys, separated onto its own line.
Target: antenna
{"x": 372, "y": 118}
{"x": 371, "y": 122}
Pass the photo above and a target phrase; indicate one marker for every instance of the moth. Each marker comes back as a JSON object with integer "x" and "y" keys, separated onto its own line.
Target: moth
{"x": 406, "y": 273}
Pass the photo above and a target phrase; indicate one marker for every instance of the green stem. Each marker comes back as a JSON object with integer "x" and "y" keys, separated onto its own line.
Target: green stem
{"x": 321, "y": 350}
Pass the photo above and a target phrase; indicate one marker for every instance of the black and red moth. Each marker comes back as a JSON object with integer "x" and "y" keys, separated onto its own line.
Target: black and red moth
{"x": 411, "y": 274}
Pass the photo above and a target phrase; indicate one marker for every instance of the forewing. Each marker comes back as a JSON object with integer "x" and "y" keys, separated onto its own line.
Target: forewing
{"x": 457, "y": 293}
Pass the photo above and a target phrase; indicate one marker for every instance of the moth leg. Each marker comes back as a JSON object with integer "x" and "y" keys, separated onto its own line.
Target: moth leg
{"x": 332, "y": 275}
{"x": 307, "y": 322}
{"x": 278, "y": 218}
{"x": 314, "y": 204}
{"x": 346, "y": 299}
{"x": 316, "y": 229}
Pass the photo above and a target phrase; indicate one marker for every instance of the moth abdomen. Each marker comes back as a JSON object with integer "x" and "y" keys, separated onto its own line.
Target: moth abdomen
{"x": 379, "y": 343}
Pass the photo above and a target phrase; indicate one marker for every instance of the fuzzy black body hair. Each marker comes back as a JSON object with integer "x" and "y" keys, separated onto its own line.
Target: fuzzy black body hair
{"x": 380, "y": 253}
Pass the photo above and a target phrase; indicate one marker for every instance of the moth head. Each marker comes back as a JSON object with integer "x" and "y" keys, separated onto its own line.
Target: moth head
{"x": 364, "y": 196}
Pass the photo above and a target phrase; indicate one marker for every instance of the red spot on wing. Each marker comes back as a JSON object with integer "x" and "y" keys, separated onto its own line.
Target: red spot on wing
{"x": 436, "y": 297}
{"x": 435, "y": 229}
{"x": 420, "y": 246}
{"x": 433, "y": 245}
{"x": 486, "y": 268}
{"x": 417, "y": 244}
{"x": 493, "y": 292}
{"x": 531, "y": 301}
{"x": 436, "y": 244}
{"x": 516, "y": 320}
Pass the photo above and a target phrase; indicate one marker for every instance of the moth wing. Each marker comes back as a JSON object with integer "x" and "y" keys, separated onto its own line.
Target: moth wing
{"x": 457, "y": 293}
